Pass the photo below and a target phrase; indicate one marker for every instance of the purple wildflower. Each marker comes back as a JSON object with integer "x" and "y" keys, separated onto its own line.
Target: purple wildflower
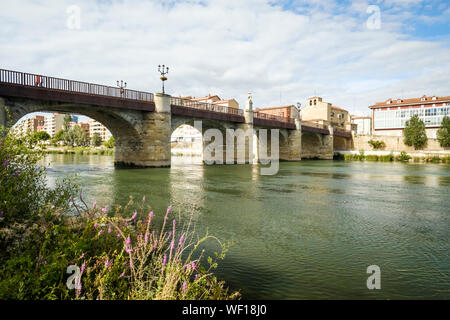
{"x": 134, "y": 215}
{"x": 100, "y": 232}
{"x": 45, "y": 262}
{"x": 172, "y": 245}
{"x": 107, "y": 263}
{"x": 143, "y": 199}
{"x": 105, "y": 209}
{"x": 169, "y": 208}
{"x": 184, "y": 286}
{"x": 95, "y": 204}
{"x": 83, "y": 266}
{"x": 109, "y": 229}
{"x": 127, "y": 245}
{"x": 5, "y": 164}
{"x": 118, "y": 235}
{"x": 16, "y": 173}
{"x": 96, "y": 225}
{"x": 146, "y": 237}
{"x": 196, "y": 276}
{"x": 164, "y": 260}
{"x": 188, "y": 267}
{"x": 193, "y": 265}
{"x": 181, "y": 241}
{"x": 82, "y": 256}
{"x": 122, "y": 274}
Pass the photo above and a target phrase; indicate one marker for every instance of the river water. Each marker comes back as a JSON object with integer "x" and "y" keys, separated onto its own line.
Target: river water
{"x": 309, "y": 232}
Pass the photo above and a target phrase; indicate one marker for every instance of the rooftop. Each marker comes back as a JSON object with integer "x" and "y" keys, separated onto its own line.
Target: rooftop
{"x": 398, "y": 102}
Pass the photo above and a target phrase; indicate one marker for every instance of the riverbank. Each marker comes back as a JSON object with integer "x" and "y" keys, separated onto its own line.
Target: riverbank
{"x": 418, "y": 156}
{"x": 79, "y": 150}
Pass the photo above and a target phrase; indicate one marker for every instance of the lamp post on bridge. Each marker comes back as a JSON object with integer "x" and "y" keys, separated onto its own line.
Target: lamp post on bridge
{"x": 163, "y": 70}
{"x": 122, "y": 87}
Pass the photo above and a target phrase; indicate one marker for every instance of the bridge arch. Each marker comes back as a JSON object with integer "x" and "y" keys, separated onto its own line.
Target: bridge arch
{"x": 126, "y": 127}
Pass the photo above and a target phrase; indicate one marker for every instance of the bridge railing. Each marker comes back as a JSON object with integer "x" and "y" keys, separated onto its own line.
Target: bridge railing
{"x": 266, "y": 116}
{"x": 314, "y": 125}
{"x": 35, "y": 80}
{"x": 342, "y": 132}
{"x": 205, "y": 106}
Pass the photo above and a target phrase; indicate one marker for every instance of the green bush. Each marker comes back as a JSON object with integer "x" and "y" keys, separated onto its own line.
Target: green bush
{"x": 121, "y": 255}
{"x": 376, "y": 145}
{"x": 372, "y": 157}
{"x": 443, "y": 134}
{"x": 386, "y": 158}
{"x": 110, "y": 143}
{"x": 414, "y": 133}
{"x": 403, "y": 157}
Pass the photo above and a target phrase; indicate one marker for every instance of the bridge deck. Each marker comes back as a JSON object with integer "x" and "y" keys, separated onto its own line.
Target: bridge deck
{"x": 33, "y": 86}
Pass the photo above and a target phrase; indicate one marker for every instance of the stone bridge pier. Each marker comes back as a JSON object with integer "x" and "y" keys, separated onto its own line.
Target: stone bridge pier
{"x": 141, "y": 138}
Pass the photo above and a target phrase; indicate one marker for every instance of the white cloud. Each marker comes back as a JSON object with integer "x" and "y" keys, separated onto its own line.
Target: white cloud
{"x": 228, "y": 47}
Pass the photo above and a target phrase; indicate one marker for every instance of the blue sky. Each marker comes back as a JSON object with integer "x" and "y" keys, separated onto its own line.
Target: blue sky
{"x": 281, "y": 51}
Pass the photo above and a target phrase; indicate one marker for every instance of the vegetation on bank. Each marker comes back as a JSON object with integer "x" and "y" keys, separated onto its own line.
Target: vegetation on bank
{"x": 377, "y": 144}
{"x": 79, "y": 151}
{"x": 443, "y": 134}
{"x": 414, "y": 133}
{"x": 120, "y": 253}
{"x": 402, "y": 157}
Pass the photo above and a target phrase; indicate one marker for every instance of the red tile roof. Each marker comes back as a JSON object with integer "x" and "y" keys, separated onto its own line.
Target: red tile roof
{"x": 398, "y": 102}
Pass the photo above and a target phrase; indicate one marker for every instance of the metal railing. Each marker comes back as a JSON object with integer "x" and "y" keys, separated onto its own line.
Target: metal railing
{"x": 266, "y": 116}
{"x": 35, "y": 80}
{"x": 341, "y": 132}
{"x": 314, "y": 125}
{"x": 205, "y": 106}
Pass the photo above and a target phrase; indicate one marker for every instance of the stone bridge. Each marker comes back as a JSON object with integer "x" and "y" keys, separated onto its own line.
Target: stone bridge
{"x": 142, "y": 123}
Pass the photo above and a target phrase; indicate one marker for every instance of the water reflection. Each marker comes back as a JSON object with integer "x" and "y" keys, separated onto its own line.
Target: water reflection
{"x": 308, "y": 232}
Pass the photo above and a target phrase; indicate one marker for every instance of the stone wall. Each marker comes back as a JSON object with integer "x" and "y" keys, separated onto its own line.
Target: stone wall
{"x": 316, "y": 146}
{"x": 394, "y": 144}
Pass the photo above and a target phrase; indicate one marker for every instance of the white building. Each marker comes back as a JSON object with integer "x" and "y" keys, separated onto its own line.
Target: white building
{"x": 53, "y": 123}
{"x": 97, "y": 127}
{"x": 364, "y": 125}
{"x": 390, "y": 116}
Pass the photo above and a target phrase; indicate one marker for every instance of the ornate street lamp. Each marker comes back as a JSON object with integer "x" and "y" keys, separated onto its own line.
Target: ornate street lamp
{"x": 163, "y": 70}
{"x": 122, "y": 87}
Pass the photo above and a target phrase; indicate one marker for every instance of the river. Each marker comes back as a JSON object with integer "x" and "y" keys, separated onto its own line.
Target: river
{"x": 309, "y": 232}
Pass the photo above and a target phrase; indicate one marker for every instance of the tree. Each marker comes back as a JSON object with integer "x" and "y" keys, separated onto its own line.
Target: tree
{"x": 76, "y": 136}
{"x": 110, "y": 143}
{"x": 40, "y": 136}
{"x": 414, "y": 134}
{"x": 59, "y": 136}
{"x": 66, "y": 122}
{"x": 443, "y": 134}
{"x": 96, "y": 140}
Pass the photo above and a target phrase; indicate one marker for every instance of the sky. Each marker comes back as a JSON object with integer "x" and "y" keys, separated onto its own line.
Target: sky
{"x": 351, "y": 53}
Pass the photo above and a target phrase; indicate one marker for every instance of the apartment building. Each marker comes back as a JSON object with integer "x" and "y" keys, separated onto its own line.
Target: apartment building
{"x": 390, "y": 116}
{"x": 97, "y": 127}
{"x": 53, "y": 123}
